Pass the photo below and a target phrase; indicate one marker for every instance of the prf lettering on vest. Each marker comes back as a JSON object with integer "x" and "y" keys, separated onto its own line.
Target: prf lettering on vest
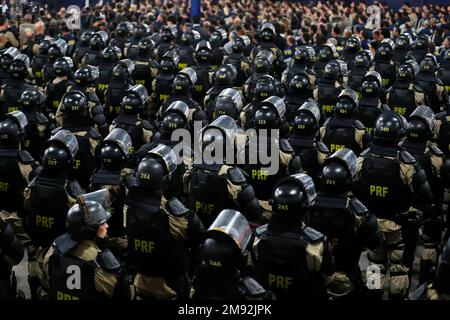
{"x": 64, "y": 296}
{"x": 4, "y": 186}
{"x": 259, "y": 174}
{"x": 45, "y": 222}
{"x": 144, "y": 246}
{"x": 205, "y": 208}
{"x": 327, "y": 108}
{"x": 447, "y": 88}
{"x": 76, "y": 164}
{"x": 378, "y": 191}
{"x": 400, "y": 110}
{"x": 336, "y": 147}
{"x": 281, "y": 282}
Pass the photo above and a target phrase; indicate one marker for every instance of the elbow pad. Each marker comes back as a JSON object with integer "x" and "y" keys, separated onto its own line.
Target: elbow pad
{"x": 11, "y": 247}
{"x": 249, "y": 203}
{"x": 421, "y": 187}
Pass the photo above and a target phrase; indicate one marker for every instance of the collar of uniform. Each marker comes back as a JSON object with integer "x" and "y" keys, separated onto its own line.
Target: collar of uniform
{"x": 86, "y": 250}
{"x": 384, "y": 151}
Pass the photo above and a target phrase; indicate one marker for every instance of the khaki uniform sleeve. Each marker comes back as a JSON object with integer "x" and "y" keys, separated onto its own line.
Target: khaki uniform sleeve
{"x": 406, "y": 172}
{"x": 322, "y": 132}
{"x": 419, "y": 98}
{"x": 59, "y": 116}
{"x": 12, "y": 39}
{"x": 93, "y": 145}
{"x": 178, "y": 227}
{"x": 186, "y": 182}
{"x": 147, "y": 135}
{"x": 105, "y": 282}
{"x": 25, "y": 170}
{"x": 314, "y": 255}
{"x": 316, "y": 94}
{"x": 321, "y": 157}
{"x": 285, "y": 160}
{"x": 359, "y": 134}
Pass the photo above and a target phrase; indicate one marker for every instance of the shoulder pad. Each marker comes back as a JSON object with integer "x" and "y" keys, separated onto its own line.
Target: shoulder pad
{"x": 64, "y": 243}
{"x": 406, "y": 157}
{"x": 177, "y": 208}
{"x": 74, "y": 188}
{"x": 385, "y": 107}
{"x": 236, "y": 176}
{"x": 252, "y": 287}
{"x": 261, "y": 230}
{"x": 108, "y": 261}
{"x": 418, "y": 89}
{"x": 439, "y": 82}
{"x": 94, "y": 134}
{"x": 364, "y": 152}
{"x": 147, "y": 125}
{"x": 326, "y": 122}
{"x": 25, "y": 157}
{"x": 441, "y": 115}
{"x": 322, "y": 147}
{"x": 358, "y": 207}
{"x": 285, "y": 146}
{"x": 359, "y": 125}
{"x": 41, "y": 118}
{"x": 312, "y": 235}
{"x": 436, "y": 151}
{"x": 129, "y": 181}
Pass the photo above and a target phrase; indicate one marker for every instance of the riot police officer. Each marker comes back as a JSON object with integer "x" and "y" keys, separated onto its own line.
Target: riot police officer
{"x": 217, "y": 40}
{"x": 305, "y": 141}
{"x": 351, "y": 48}
{"x": 16, "y": 166}
{"x": 203, "y": 68}
{"x": 402, "y": 48}
{"x": 130, "y": 117}
{"x": 38, "y": 62}
{"x": 346, "y": 222}
{"x": 12, "y": 88}
{"x": 188, "y": 40}
{"x": 404, "y": 96}
{"x": 302, "y": 61}
{"x": 330, "y": 86}
{"x": 82, "y": 47}
{"x": 109, "y": 57}
{"x": 224, "y": 77}
{"x": 11, "y": 254}
{"x": 418, "y": 143}
{"x": 388, "y": 182}
{"x": 38, "y": 128}
{"x": 117, "y": 87}
{"x": 222, "y": 274}
{"x": 167, "y": 38}
{"x": 6, "y": 59}
{"x": 229, "y": 102}
{"x": 114, "y": 157}
{"x": 325, "y": 54}
{"x": 343, "y": 130}
{"x": 238, "y": 59}
{"x": 291, "y": 259}
{"x": 76, "y": 119}
{"x": 300, "y": 89}
{"x": 444, "y": 72}
{"x": 427, "y": 79}
{"x": 121, "y": 35}
{"x": 384, "y": 62}
{"x": 146, "y": 68}
{"x": 132, "y": 47}
{"x": 57, "y": 49}
{"x": 421, "y": 47}
{"x": 269, "y": 117}
{"x": 58, "y": 86}
{"x": 162, "y": 84}
{"x": 96, "y": 45}
{"x": 47, "y": 198}
{"x": 362, "y": 63}
{"x": 216, "y": 184}
{"x": 161, "y": 232}
{"x": 262, "y": 65}
{"x": 371, "y": 105}
{"x": 77, "y": 253}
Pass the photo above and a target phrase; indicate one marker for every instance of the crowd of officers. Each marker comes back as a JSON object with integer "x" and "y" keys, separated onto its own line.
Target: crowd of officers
{"x": 92, "y": 190}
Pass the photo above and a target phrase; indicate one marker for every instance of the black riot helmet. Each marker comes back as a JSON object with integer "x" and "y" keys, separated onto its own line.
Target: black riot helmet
{"x": 8, "y": 56}
{"x": 184, "y": 81}
{"x": 267, "y": 32}
{"x": 335, "y": 70}
{"x": 421, "y": 124}
{"x": 338, "y": 172}
{"x": 240, "y": 44}
{"x": 175, "y": 117}
{"x": 98, "y": 41}
{"x": 218, "y": 37}
{"x": 109, "y": 54}
{"x": 44, "y": 46}
{"x": 304, "y": 55}
{"x": 265, "y": 87}
{"x": 62, "y": 66}
{"x": 12, "y": 130}
{"x": 293, "y": 194}
{"x": 300, "y": 83}
{"x": 74, "y": 102}
{"x": 363, "y": 59}
{"x": 124, "y": 29}
{"x": 86, "y": 37}
{"x": 327, "y": 52}
{"x": 187, "y": 38}
{"x": 371, "y": 85}
{"x": 390, "y": 127}
{"x": 31, "y": 99}
{"x": 85, "y": 218}
{"x": 263, "y": 62}
{"x": 385, "y": 50}
{"x": 306, "y": 121}
{"x": 135, "y": 99}
{"x": 61, "y": 149}
{"x": 407, "y": 71}
{"x": 140, "y": 31}
{"x": 347, "y": 103}
{"x": 156, "y": 168}
{"x": 221, "y": 132}
{"x": 19, "y": 67}
{"x": 57, "y": 49}
{"x": 422, "y": 42}
{"x": 115, "y": 150}
{"x": 403, "y": 42}
{"x": 225, "y": 75}
{"x": 146, "y": 45}
{"x": 86, "y": 75}
{"x": 429, "y": 64}
{"x": 270, "y": 113}
{"x": 352, "y": 45}
{"x": 167, "y": 35}
{"x": 229, "y": 102}
{"x": 120, "y": 72}
{"x": 203, "y": 51}
{"x": 169, "y": 63}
